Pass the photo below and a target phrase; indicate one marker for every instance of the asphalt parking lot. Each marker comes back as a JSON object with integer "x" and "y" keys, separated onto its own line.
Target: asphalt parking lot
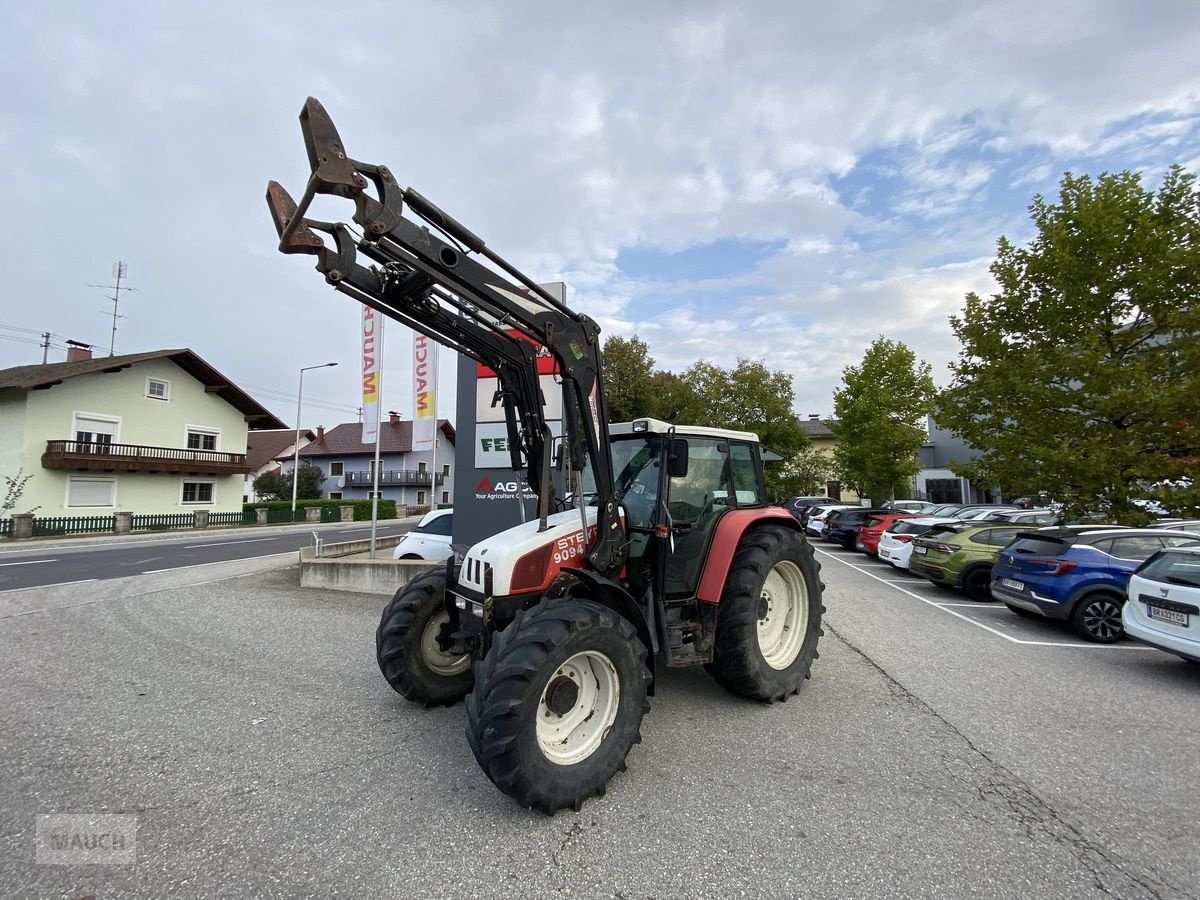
{"x": 938, "y": 750}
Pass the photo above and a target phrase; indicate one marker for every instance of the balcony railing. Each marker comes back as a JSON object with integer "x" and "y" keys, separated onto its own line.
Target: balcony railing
{"x": 394, "y": 477}
{"x": 97, "y": 457}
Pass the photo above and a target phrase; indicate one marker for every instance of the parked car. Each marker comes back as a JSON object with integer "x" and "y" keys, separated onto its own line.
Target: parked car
{"x": 841, "y": 525}
{"x": 979, "y": 510}
{"x": 1077, "y": 574}
{"x": 1189, "y": 525}
{"x": 1163, "y": 609}
{"x": 816, "y": 517}
{"x": 430, "y": 540}
{"x": 1027, "y": 517}
{"x": 797, "y": 506}
{"x": 895, "y": 544}
{"x": 1032, "y": 501}
{"x": 961, "y": 554}
{"x": 872, "y": 529}
{"x": 920, "y": 507}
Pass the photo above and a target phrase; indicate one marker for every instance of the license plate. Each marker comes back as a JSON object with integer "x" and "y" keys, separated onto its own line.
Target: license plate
{"x": 918, "y": 549}
{"x": 1015, "y": 585}
{"x": 859, "y": 545}
{"x": 884, "y": 553}
{"x": 1167, "y": 615}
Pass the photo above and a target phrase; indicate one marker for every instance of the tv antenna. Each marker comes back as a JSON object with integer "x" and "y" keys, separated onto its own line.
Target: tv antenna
{"x": 119, "y": 272}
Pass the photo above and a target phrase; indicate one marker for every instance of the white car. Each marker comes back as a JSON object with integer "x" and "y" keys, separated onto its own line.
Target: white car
{"x": 910, "y": 506}
{"x": 1163, "y": 605}
{"x": 816, "y": 518}
{"x": 430, "y": 540}
{"x": 895, "y": 544}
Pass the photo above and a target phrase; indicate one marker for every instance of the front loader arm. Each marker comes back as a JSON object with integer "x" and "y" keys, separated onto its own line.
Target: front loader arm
{"x": 436, "y": 285}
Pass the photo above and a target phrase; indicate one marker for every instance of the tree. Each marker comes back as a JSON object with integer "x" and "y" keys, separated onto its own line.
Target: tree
{"x": 1080, "y": 375}
{"x": 307, "y": 488}
{"x": 269, "y": 486}
{"x": 881, "y": 413}
{"x": 805, "y": 472}
{"x": 628, "y": 378}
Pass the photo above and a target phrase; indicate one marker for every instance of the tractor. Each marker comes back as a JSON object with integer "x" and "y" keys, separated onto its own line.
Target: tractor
{"x": 662, "y": 550}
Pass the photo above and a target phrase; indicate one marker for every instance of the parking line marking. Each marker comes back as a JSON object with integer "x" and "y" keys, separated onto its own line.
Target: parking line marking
{"x": 971, "y": 621}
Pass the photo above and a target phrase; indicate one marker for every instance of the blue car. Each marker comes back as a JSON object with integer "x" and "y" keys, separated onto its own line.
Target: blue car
{"x": 1078, "y": 575}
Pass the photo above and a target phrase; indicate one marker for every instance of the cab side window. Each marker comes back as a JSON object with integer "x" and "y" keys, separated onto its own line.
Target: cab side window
{"x": 745, "y": 475}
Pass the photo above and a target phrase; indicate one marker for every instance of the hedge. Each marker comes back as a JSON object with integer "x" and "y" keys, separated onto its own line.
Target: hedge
{"x": 362, "y": 508}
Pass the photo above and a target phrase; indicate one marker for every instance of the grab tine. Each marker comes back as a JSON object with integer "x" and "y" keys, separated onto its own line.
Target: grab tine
{"x": 332, "y": 172}
{"x": 299, "y": 239}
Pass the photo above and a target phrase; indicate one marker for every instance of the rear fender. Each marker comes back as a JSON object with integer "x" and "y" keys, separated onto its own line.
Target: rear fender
{"x": 726, "y": 537}
{"x": 608, "y": 593}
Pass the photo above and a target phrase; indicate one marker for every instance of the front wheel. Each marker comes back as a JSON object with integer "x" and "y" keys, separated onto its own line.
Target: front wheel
{"x": 407, "y": 648}
{"x": 769, "y": 620}
{"x": 558, "y": 703}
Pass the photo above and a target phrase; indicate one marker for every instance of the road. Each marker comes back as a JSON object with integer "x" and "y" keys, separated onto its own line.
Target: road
{"x": 63, "y": 564}
{"x": 243, "y": 726}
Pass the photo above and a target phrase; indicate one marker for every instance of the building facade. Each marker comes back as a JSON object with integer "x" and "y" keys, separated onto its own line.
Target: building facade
{"x": 415, "y": 480}
{"x": 148, "y": 433}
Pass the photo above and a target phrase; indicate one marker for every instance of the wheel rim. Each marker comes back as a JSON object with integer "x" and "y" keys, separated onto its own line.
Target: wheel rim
{"x": 578, "y": 707}
{"x": 438, "y": 660}
{"x": 979, "y": 586}
{"x": 1102, "y": 619}
{"x": 783, "y": 615}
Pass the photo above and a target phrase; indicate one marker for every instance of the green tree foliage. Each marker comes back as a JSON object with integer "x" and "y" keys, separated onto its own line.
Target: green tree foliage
{"x": 269, "y": 486}
{"x": 628, "y": 378}
{"x": 881, "y": 412}
{"x": 307, "y": 488}
{"x": 805, "y": 472}
{"x": 1081, "y": 375}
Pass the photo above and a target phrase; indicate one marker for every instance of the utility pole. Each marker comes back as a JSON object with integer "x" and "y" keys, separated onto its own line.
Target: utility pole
{"x": 119, "y": 271}
{"x": 45, "y": 346}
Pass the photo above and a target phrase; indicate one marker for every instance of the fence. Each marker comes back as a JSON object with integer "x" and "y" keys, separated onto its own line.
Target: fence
{"x": 161, "y": 522}
{"x": 245, "y": 517}
{"x": 5, "y": 527}
{"x": 74, "y": 525}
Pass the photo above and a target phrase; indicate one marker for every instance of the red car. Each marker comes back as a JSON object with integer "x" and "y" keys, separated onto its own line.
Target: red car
{"x": 868, "y": 536}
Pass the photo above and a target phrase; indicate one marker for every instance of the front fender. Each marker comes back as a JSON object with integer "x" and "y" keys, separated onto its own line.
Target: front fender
{"x": 609, "y": 593}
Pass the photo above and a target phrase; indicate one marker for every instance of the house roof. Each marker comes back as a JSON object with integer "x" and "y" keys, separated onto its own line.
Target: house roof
{"x": 815, "y": 428}
{"x": 32, "y": 378}
{"x": 346, "y": 439}
{"x": 267, "y": 444}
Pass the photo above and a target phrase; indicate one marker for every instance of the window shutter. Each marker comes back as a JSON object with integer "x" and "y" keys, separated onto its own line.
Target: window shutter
{"x": 91, "y": 492}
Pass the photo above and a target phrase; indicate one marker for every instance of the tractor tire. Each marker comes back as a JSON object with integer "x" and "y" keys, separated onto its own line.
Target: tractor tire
{"x": 769, "y": 620}
{"x": 558, "y": 703}
{"x": 407, "y": 650}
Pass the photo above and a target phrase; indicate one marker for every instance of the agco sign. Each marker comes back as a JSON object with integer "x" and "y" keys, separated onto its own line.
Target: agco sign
{"x": 502, "y": 490}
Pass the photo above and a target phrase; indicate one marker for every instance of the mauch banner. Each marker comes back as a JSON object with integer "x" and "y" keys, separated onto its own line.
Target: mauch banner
{"x": 424, "y": 392}
{"x": 372, "y": 328}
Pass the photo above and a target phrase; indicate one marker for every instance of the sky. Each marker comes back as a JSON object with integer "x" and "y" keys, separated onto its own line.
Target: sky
{"x": 782, "y": 182}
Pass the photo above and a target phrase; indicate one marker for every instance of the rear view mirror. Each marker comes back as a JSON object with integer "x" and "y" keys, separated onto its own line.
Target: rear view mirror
{"x": 677, "y": 459}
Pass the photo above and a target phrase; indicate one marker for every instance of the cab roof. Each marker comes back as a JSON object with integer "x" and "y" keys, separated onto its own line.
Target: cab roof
{"x": 657, "y": 426}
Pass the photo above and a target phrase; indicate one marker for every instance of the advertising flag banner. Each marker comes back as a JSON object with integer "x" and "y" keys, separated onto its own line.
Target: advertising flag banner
{"x": 372, "y": 326}
{"x": 424, "y": 392}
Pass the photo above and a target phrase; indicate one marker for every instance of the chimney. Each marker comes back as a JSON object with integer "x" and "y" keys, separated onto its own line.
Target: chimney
{"x": 320, "y": 432}
{"x": 393, "y": 417}
{"x": 78, "y": 352}
{"x": 812, "y": 417}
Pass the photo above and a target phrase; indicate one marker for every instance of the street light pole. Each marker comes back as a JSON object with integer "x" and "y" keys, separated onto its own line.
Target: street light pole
{"x": 296, "y": 455}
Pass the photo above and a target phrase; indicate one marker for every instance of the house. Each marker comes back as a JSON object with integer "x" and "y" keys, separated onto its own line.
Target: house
{"x": 423, "y": 479}
{"x": 149, "y": 433}
{"x": 266, "y": 451}
{"x": 823, "y": 440}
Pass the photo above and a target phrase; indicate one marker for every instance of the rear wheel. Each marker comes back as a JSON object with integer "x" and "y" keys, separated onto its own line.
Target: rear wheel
{"x": 769, "y": 621}
{"x": 1097, "y": 618}
{"x": 558, "y": 703}
{"x": 407, "y": 648}
{"x": 977, "y": 585}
